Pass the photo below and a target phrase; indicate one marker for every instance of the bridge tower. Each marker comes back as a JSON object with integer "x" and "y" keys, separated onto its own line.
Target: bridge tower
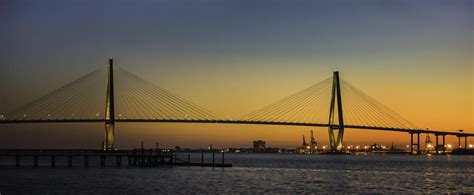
{"x": 336, "y": 101}
{"x": 109, "y": 108}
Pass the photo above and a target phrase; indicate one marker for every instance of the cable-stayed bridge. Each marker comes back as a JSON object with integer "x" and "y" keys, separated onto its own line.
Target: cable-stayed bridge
{"x": 112, "y": 94}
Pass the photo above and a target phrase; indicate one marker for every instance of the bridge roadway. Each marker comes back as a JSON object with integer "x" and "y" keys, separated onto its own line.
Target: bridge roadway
{"x": 459, "y": 134}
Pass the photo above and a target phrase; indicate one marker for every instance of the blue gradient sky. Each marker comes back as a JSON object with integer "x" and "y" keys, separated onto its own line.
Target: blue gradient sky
{"x": 236, "y": 56}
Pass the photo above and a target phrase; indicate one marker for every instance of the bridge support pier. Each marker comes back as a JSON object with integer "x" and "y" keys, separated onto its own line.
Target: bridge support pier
{"x": 418, "y": 143}
{"x": 413, "y": 144}
{"x": 442, "y": 145}
{"x": 459, "y": 142}
{"x": 465, "y": 142}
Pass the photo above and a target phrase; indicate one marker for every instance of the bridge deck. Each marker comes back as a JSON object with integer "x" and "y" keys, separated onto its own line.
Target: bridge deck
{"x": 460, "y": 134}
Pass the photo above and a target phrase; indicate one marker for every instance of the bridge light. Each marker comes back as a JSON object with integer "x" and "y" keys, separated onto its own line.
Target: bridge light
{"x": 24, "y": 115}
{"x": 470, "y": 146}
{"x": 450, "y": 146}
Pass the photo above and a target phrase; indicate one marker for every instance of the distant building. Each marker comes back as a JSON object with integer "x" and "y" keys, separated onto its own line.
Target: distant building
{"x": 258, "y": 146}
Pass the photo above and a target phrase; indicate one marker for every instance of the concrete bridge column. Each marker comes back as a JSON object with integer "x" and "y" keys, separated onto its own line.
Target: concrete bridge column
{"x": 418, "y": 144}
{"x": 413, "y": 144}
{"x": 444, "y": 144}
{"x": 459, "y": 141}
{"x": 465, "y": 142}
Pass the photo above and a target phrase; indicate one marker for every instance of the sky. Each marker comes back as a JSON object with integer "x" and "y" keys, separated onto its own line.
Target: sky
{"x": 233, "y": 57}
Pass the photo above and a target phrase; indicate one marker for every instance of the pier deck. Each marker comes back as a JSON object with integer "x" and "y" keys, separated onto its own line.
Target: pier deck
{"x": 134, "y": 158}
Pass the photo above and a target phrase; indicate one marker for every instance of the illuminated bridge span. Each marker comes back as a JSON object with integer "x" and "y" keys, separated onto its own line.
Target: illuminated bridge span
{"x": 332, "y": 103}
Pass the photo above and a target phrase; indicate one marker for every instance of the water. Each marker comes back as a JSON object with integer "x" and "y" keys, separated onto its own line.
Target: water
{"x": 257, "y": 173}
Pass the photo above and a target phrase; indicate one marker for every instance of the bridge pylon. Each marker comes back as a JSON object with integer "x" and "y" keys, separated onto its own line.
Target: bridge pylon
{"x": 109, "y": 108}
{"x": 336, "y": 102}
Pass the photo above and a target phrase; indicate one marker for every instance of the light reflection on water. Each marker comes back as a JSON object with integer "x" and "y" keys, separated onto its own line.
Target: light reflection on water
{"x": 259, "y": 173}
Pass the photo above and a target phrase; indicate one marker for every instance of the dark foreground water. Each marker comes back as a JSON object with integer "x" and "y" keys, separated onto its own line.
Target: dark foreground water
{"x": 255, "y": 174}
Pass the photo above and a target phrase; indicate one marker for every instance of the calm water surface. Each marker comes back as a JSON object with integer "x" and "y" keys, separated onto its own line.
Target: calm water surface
{"x": 256, "y": 173}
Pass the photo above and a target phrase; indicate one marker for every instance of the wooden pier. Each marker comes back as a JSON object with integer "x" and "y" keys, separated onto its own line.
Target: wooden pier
{"x": 133, "y": 158}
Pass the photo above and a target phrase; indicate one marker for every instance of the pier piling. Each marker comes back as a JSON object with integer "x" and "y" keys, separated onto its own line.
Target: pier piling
{"x": 86, "y": 161}
{"x": 17, "y": 160}
{"x": 119, "y": 161}
{"x": 69, "y": 161}
{"x": 202, "y": 158}
{"x": 213, "y": 159}
{"x": 53, "y": 161}
{"x": 102, "y": 161}
{"x": 223, "y": 159}
{"x": 189, "y": 159}
{"x": 35, "y": 160}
